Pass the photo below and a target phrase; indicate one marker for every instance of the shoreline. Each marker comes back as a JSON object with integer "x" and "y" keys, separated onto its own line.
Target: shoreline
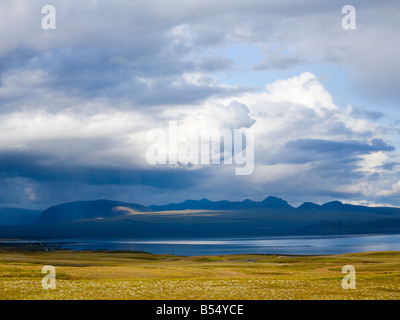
{"x": 40, "y": 246}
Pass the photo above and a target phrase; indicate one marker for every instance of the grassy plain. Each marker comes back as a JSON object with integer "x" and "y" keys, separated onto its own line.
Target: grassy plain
{"x": 135, "y": 275}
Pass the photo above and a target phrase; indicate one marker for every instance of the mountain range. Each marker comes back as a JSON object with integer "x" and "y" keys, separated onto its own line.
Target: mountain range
{"x": 196, "y": 218}
{"x": 83, "y": 210}
{"x": 268, "y": 203}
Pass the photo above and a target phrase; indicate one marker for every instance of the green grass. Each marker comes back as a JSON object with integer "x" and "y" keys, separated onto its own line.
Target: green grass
{"x": 135, "y": 275}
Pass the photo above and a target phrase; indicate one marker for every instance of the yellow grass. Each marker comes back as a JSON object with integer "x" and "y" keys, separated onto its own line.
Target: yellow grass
{"x": 124, "y": 275}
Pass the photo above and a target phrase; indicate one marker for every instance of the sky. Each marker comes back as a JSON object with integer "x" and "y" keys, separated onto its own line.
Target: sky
{"x": 77, "y": 102}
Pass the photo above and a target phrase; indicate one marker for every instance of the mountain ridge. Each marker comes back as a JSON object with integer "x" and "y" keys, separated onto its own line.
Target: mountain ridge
{"x": 270, "y": 217}
{"x": 91, "y": 209}
{"x": 102, "y": 208}
{"x": 270, "y": 202}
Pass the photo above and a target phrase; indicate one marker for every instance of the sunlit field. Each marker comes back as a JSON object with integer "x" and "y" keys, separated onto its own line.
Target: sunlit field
{"x": 135, "y": 275}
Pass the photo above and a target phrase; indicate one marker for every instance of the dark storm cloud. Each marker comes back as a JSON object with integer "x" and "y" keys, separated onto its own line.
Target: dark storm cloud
{"x": 44, "y": 168}
{"x": 366, "y": 114}
{"x": 336, "y": 154}
{"x": 16, "y": 59}
{"x": 337, "y": 147}
{"x": 149, "y": 78}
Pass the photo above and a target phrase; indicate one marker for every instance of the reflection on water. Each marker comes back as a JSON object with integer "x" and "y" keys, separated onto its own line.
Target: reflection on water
{"x": 315, "y": 245}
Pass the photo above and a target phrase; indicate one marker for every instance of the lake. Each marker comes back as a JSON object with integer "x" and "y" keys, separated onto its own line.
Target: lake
{"x": 301, "y": 245}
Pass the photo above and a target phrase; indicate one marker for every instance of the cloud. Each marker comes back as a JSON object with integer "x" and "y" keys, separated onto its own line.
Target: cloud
{"x": 305, "y": 146}
{"x": 86, "y": 50}
{"x": 319, "y": 146}
{"x": 394, "y": 190}
{"x": 215, "y": 63}
{"x": 76, "y": 102}
{"x": 363, "y": 113}
{"x": 278, "y": 60}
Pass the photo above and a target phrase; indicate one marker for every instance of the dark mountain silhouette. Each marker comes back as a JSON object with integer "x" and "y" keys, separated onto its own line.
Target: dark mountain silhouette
{"x": 204, "y": 218}
{"x": 339, "y": 206}
{"x": 205, "y": 204}
{"x": 81, "y": 210}
{"x": 274, "y": 203}
{"x": 336, "y": 205}
{"x": 309, "y": 206}
{"x": 342, "y": 207}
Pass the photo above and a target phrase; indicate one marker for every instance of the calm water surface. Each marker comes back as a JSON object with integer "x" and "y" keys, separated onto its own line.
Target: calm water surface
{"x": 312, "y": 245}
